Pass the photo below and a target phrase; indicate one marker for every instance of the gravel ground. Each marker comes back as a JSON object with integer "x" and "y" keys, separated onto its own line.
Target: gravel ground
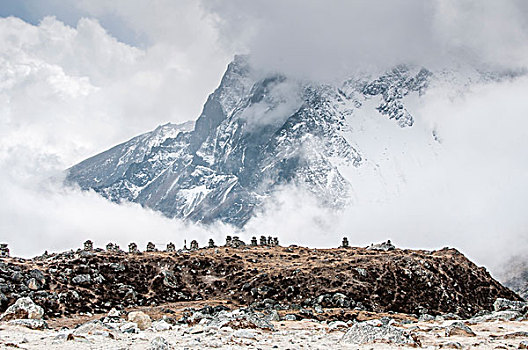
{"x": 288, "y": 335}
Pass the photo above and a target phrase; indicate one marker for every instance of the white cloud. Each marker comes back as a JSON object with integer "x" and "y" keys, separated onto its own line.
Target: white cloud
{"x": 326, "y": 39}
{"x": 67, "y": 93}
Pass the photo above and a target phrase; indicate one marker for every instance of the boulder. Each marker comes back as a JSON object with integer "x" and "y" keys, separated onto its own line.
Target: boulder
{"x": 83, "y": 280}
{"x": 159, "y": 343}
{"x": 244, "y": 333}
{"x": 385, "y": 246}
{"x": 30, "y": 323}
{"x": 140, "y": 318}
{"x": 502, "y": 304}
{"x": 95, "y": 327}
{"x": 367, "y": 332}
{"x": 129, "y": 327}
{"x": 161, "y": 325}
{"x": 460, "y": 329}
{"x": 23, "y": 308}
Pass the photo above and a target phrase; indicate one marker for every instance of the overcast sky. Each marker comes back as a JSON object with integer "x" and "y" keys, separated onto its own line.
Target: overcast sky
{"x": 79, "y": 76}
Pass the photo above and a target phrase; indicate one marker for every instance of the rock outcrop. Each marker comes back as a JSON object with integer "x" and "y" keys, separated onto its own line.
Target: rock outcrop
{"x": 307, "y": 281}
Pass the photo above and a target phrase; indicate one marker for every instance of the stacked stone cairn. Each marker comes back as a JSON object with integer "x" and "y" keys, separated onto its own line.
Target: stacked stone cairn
{"x": 132, "y": 248}
{"x": 112, "y": 247}
{"x": 151, "y": 247}
{"x": 263, "y": 240}
{"x": 345, "y": 243}
{"x": 88, "y": 246}
{"x": 211, "y": 243}
{"x": 194, "y": 244}
{"x": 254, "y": 242}
{"x": 4, "y": 250}
{"x": 171, "y": 247}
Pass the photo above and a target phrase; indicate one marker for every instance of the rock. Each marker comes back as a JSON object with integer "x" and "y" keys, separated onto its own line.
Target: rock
{"x": 385, "y": 246}
{"x": 159, "y": 343}
{"x": 129, "y": 327}
{"x": 33, "y": 284}
{"x": 161, "y": 325}
{"x": 496, "y": 316}
{"x": 140, "y": 318}
{"x": 460, "y": 329}
{"x": 83, "y": 280}
{"x": 241, "y": 318}
{"x": 426, "y": 317}
{"x": 273, "y": 316}
{"x": 365, "y": 332}
{"x": 23, "y": 308}
{"x": 30, "y": 323}
{"x": 290, "y": 317}
{"x": 451, "y": 345}
{"x": 502, "y": 304}
{"x": 337, "y": 325}
{"x": 244, "y": 333}
{"x": 95, "y": 327}
{"x": 114, "y": 313}
{"x": 523, "y": 345}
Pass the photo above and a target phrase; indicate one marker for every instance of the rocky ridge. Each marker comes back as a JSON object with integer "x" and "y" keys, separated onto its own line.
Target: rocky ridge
{"x": 319, "y": 283}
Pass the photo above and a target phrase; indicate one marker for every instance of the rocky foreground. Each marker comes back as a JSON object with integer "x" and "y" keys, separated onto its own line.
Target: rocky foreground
{"x": 195, "y": 325}
{"x": 256, "y": 296}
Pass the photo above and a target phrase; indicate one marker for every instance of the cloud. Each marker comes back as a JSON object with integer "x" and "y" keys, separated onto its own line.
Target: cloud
{"x": 468, "y": 192}
{"x": 67, "y": 93}
{"x": 329, "y": 39}
{"x": 82, "y": 82}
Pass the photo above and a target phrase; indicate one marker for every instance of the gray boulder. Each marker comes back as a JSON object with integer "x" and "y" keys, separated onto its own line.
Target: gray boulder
{"x": 385, "y": 246}
{"x": 502, "y": 304}
{"x": 368, "y": 332}
{"x": 23, "y": 308}
{"x": 30, "y": 323}
{"x": 159, "y": 343}
{"x": 459, "y": 329}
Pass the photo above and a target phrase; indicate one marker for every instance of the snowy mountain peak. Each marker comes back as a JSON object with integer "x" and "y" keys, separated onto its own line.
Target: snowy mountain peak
{"x": 253, "y": 135}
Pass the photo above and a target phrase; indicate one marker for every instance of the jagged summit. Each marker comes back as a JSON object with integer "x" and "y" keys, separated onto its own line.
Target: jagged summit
{"x": 254, "y": 134}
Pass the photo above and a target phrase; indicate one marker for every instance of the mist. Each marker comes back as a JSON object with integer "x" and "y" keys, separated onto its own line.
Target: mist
{"x": 331, "y": 39}
{"x": 467, "y": 189}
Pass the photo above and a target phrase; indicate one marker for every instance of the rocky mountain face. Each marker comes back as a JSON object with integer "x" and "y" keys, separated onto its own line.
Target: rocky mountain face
{"x": 255, "y": 134}
{"x": 298, "y": 279}
{"x": 514, "y": 274}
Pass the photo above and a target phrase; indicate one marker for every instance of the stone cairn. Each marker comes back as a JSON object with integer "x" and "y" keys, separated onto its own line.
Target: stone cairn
{"x": 4, "y": 250}
{"x": 88, "y": 245}
{"x": 112, "y": 247}
{"x": 132, "y": 248}
{"x": 270, "y": 241}
{"x": 194, "y": 244}
{"x": 345, "y": 243}
{"x": 228, "y": 241}
{"x": 254, "y": 242}
{"x": 263, "y": 240}
{"x": 275, "y": 241}
{"x": 171, "y": 247}
{"x": 185, "y": 244}
{"x": 151, "y": 247}
{"x": 237, "y": 243}
{"x": 211, "y": 243}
